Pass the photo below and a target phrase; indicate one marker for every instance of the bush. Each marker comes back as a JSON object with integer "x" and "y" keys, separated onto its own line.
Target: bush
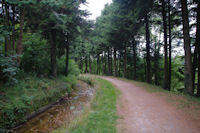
{"x": 72, "y": 79}
{"x": 35, "y": 56}
{"x": 86, "y": 79}
{"x": 177, "y": 74}
{"x": 8, "y": 68}
{"x": 29, "y": 95}
{"x": 73, "y": 67}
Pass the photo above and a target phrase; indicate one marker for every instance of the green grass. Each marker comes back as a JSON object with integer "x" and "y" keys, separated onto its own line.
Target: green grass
{"x": 101, "y": 117}
{"x": 87, "y": 79}
{"x": 149, "y": 87}
{"x": 157, "y": 89}
{"x": 30, "y": 94}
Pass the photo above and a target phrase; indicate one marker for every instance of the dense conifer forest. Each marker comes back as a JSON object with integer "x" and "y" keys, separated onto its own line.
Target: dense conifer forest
{"x": 46, "y": 44}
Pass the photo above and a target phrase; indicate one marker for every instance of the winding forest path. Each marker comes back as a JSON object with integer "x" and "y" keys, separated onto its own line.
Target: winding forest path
{"x": 143, "y": 112}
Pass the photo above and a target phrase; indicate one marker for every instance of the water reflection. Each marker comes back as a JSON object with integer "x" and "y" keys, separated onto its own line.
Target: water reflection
{"x": 60, "y": 114}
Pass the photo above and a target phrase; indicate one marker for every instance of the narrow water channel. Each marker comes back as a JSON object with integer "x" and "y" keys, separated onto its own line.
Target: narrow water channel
{"x": 60, "y": 114}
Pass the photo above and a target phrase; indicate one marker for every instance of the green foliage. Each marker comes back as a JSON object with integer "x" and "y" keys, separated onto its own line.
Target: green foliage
{"x": 35, "y": 56}
{"x": 9, "y": 68}
{"x": 73, "y": 66}
{"x": 72, "y": 79}
{"x": 177, "y": 74}
{"x": 102, "y": 117}
{"x": 29, "y": 95}
{"x": 87, "y": 79}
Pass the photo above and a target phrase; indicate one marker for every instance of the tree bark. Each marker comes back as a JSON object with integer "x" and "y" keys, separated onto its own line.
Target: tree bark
{"x": 166, "y": 70}
{"x": 195, "y": 63}
{"x": 111, "y": 62}
{"x": 198, "y": 46}
{"x": 101, "y": 64}
{"x": 196, "y": 50}
{"x": 156, "y": 63}
{"x": 67, "y": 59}
{"x": 188, "y": 60}
{"x": 53, "y": 53}
{"x": 115, "y": 61}
{"x": 125, "y": 62}
{"x": 86, "y": 64}
{"x": 81, "y": 65}
{"x": 108, "y": 58}
{"x": 170, "y": 44}
{"x": 105, "y": 64}
{"x": 134, "y": 60}
{"x": 90, "y": 65}
{"x": 119, "y": 67}
{"x": 7, "y": 39}
{"x": 97, "y": 72}
{"x": 13, "y": 24}
{"x": 19, "y": 48}
{"x": 148, "y": 63}
{"x": 198, "y": 84}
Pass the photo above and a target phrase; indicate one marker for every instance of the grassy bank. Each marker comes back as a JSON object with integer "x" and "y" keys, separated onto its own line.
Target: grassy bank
{"x": 101, "y": 116}
{"x": 30, "y": 94}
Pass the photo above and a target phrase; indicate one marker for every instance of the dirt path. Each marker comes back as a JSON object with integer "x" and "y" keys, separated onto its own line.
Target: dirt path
{"x": 143, "y": 112}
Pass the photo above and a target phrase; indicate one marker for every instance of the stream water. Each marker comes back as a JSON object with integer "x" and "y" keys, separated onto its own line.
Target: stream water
{"x": 60, "y": 114}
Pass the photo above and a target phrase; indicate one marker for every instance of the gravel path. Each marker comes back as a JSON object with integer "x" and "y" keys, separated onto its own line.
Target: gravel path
{"x": 143, "y": 112}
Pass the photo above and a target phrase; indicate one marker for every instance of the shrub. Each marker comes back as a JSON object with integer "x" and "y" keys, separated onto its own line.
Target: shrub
{"x": 9, "y": 68}
{"x": 71, "y": 80}
{"x": 35, "y": 56}
{"x": 86, "y": 79}
{"x": 73, "y": 67}
{"x": 29, "y": 95}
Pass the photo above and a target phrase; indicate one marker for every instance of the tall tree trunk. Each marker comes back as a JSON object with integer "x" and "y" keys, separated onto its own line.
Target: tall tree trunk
{"x": 13, "y": 24}
{"x": 53, "y": 53}
{"x": 196, "y": 50}
{"x": 125, "y": 62}
{"x": 134, "y": 60}
{"x": 7, "y": 24}
{"x": 105, "y": 63}
{"x": 198, "y": 46}
{"x": 19, "y": 43}
{"x": 97, "y": 72}
{"x": 2, "y": 14}
{"x": 148, "y": 63}
{"x": 115, "y": 61}
{"x": 156, "y": 63}
{"x": 195, "y": 63}
{"x": 170, "y": 45}
{"x": 101, "y": 64}
{"x": 111, "y": 62}
{"x": 188, "y": 60}
{"x": 67, "y": 59}
{"x": 166, "y": 70}
{"x": 90, "y": 65}
{"x": 76, "y": 59}
{"x": 108, "y": 61}
{"x": 119, "y": 67}
{"x": 86, "y": 64}
{"x": 198, "y": 84}
{"x": 81, "y": 65}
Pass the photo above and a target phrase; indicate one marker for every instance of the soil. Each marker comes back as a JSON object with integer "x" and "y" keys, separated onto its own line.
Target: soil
{"x": 143, "y": 112}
